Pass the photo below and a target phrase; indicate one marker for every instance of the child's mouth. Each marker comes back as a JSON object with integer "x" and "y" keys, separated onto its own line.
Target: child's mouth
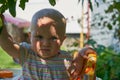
{"x": 45, "y": 50}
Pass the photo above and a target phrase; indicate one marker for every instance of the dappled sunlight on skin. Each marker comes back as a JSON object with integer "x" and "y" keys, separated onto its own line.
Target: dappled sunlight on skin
{"x": 45, "y": 21}
{"x": 84, "y": 63}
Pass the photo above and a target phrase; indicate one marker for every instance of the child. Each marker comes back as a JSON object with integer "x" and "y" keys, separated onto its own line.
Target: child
{"x": 42, "y": 59}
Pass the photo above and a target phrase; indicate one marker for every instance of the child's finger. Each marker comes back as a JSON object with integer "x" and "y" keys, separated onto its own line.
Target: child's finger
{"x": 79, "y": 67}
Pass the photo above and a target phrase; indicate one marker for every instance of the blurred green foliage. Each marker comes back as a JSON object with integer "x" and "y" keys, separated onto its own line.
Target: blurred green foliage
{"x": 6, "y": 61}
{"x": 108, "y": 65}
{"x": 107, "y": 62}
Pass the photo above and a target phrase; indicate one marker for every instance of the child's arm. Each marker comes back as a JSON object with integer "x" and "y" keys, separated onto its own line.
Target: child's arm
{"x": 82, "y": 60}
{"x": 7, "y": 43}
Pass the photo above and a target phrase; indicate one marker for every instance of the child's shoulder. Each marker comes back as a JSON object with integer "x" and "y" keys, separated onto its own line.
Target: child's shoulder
{"x": 25, "y": 45}
{"x": 65, "y": 54}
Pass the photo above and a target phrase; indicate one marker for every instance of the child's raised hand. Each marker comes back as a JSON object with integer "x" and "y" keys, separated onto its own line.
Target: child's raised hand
{"x": 86, "y": 57}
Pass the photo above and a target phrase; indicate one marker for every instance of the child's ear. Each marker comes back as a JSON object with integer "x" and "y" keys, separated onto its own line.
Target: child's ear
{"x": 64, "y": 36}
{"x": 63, "y": 39}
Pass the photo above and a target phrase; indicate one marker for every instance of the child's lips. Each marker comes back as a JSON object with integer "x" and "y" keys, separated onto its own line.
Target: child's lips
{"x": 45, "y": 49}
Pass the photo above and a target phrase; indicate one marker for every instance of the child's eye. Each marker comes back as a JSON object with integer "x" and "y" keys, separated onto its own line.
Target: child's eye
{"x": 53, "y": 38}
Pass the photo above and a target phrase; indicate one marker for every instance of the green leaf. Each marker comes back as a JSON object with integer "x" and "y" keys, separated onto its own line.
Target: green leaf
{"x": 97, "y": 3}
{"x": 52, "y": 2}
{"x": 118, "y": 18}
{"x": 109, "y": 26}
{"x": 3, "y": 8}
{"x": 104, "y": 1}
{"x": 2, "y": 1}
{"x": 22, "y": 4}
{"x": 117, "y": 5}
{"x": 110, "y": 9}
{"x": 12, "y": 7}
{"x": 91, "y": 7}
{"x": 114, "y": 22}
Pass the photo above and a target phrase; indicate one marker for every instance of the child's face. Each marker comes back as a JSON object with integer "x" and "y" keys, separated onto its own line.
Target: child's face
{"x": 46, "y": 38}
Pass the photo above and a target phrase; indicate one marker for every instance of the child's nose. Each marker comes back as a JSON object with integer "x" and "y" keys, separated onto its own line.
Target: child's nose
{"x": 46, "y": 42}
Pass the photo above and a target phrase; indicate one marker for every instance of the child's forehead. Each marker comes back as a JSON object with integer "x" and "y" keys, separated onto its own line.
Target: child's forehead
{"x": 45, "y": 21}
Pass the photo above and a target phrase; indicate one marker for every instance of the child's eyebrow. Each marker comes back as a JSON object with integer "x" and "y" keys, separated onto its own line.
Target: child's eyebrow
{"x": 48, "y": 24}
